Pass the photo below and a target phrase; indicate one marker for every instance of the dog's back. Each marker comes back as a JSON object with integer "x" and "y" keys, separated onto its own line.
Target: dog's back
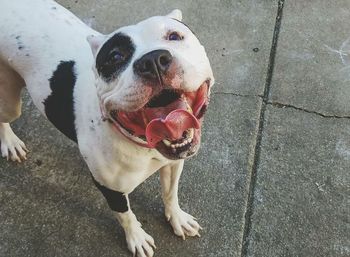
{"x": 33, "y": 44}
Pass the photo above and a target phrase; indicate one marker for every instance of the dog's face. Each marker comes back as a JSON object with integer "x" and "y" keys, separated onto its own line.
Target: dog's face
{"x": 153, "y": 80}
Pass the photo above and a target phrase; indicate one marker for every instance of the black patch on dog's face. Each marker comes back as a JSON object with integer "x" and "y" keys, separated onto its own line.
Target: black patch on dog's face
{"x": 59, "y": 106}
{"x": 114, "y": 56}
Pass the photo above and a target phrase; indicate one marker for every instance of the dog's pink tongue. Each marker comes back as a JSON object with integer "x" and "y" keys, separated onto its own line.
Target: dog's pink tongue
{"x": 172, "y": 127}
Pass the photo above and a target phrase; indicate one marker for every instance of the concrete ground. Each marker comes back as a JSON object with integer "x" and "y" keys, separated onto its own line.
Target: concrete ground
{"x": 272, "y": 177}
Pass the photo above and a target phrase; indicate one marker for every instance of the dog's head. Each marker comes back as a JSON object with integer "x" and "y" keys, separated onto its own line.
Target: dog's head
{"x": 153, "y": 80}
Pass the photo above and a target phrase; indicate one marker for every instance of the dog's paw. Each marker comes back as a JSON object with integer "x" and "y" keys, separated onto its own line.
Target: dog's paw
{"x": 139, "y": 242}
{"x": 183, "y": 223}
{"x": 12, "y": 148}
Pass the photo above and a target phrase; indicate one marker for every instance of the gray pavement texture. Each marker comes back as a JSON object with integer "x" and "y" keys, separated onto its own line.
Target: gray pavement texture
{"x": 272, "y": 177}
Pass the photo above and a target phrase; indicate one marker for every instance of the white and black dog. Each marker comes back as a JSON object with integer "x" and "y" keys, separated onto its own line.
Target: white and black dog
{"x": 133, "y": 100}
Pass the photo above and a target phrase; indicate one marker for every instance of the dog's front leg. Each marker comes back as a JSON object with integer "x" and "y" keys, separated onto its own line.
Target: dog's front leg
{"x": 182, "y": 222}
{"x": 139, "y": 242}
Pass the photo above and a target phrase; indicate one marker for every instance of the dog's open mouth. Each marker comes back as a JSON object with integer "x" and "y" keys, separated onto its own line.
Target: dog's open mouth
{"x": 169, "y": 122}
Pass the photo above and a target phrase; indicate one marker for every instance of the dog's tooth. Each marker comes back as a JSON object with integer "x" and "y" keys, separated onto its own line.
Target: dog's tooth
{"x": 188, "y": 107}
{"x": 173, "y": 146}
{"x": 191, "y": 133}
{"x": 167, "y": 142}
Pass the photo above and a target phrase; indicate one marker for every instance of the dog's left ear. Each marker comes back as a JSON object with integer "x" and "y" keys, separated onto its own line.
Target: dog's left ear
{"x": 95, "y": 42}
{"x": 175, "y": 14}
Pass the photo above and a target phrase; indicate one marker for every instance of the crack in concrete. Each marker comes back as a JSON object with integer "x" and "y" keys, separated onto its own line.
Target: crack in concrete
{"x": 254, "y": 156}
{"x": 237, "y": 94}
{"x": 282, "y": 105}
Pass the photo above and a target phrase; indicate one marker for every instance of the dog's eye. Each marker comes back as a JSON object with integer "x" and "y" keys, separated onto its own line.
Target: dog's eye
{"x": 115, "y": 57}
{"x": 175, "y": 36}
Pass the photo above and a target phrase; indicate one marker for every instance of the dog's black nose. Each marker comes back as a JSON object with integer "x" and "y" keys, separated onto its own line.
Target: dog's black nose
{"x": 153, "y": 64}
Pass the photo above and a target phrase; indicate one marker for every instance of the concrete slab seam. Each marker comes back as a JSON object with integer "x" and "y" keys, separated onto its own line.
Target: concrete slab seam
{"x": 237, "y": 94}
{"x": 257, "y": 148}
{"x": 283, "y": 105}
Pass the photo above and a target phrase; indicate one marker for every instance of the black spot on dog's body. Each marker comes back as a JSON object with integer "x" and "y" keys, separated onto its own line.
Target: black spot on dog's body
{"x": 120, "y": 44}
{"x": 59, "y": 106}
{"x": 19, "y": 43}
{"x": 115, "y": 200}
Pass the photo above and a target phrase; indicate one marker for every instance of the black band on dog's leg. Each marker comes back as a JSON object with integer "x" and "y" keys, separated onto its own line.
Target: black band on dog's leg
{"x": 116, "y": 200}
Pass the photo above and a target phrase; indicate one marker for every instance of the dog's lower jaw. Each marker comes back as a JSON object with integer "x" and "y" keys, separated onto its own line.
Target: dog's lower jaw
{"x": 139, "y": 242}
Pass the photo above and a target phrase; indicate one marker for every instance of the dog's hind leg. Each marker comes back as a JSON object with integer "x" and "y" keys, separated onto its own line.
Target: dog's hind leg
{"x": 11, "y": 84}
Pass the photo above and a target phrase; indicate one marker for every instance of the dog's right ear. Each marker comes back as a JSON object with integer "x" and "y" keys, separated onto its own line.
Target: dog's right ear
{"x": 95, "y": 42}
{"x": 175, "y": 14}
